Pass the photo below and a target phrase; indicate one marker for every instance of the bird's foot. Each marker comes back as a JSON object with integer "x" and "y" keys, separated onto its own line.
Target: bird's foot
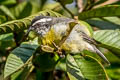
{"x": 58, "y": 50}
{"x": 60, "y": 53}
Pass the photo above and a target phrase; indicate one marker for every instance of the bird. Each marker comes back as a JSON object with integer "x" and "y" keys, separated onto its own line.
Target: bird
{"x": 56, "y": 32}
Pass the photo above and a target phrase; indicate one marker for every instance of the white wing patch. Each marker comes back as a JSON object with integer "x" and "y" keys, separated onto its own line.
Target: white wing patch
{"x": 42, "y": 20}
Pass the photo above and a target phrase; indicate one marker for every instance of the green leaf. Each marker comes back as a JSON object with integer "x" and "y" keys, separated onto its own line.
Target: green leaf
{"x": 100, "y": 1}
{"x": 22, "y": 24}
{"x": 45, "y": 62}
{"x": 114, "y": 59}
{"x": 18, "y": 58}
{"x": 87, "y": 27}
{"x": 2, "y": 19}
{"x": 4, "y": 40}
{"x": 64, "y": 2}
{"x": 106, "y": 11}
{"x": 117, "y": 3}
{"x": 84, "y": 68}
{"x": 24, "y": 9}
{"x": 61, "y": 65}
{"x": 115, "y": 20}
{"x": 6, "y": 37}
{"x": 22, "y": 74}
{"x": 105, "y": 24}
{"x": 7, "y": 2}
{"x": 110, "y": 39}
{"x": 114, "y": 73}
{"x": 52, "y": 6}
{"x": 6, "y": 11}
{"x": 42, "y": 3}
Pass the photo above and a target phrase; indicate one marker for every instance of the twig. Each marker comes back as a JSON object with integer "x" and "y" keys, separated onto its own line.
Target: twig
{"x": 106, "y": 3}
{"x": 80, "y": 5}
{"x": 72, "y": 15}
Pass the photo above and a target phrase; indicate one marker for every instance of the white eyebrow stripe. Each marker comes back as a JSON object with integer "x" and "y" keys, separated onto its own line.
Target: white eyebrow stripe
{"x": 42, "y": 20}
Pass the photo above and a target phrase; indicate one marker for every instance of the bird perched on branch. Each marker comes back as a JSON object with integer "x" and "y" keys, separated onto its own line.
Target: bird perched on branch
{"x": 63, "y": 34}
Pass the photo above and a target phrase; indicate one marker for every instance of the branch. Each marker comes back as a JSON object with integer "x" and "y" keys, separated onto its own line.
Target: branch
{"x": 106, "y": 3}
{"x": 80, "y": 5}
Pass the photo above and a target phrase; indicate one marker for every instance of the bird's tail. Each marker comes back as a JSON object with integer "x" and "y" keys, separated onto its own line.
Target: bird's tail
{"x": 101, "y": 55}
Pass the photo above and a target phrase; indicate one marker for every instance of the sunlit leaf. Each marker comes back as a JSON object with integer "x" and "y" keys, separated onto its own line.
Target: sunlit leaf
{"x": 84, "y": 67}
{"x": 114, "y": 73}
{"x": 114, "y": 20}
{"x": 61, "y": 65}
{"x": 18, "y": 58}
{"x": 7, "y": 2}
{"x": 22, "y": 24}
{"x": 52, "y": 6}
{"x": 6, "y": 11}
{"x": 22, "y": 74}
{"x": 110, "y": 39}
{"x": 104, "y": 23}
{"x": 106, "y": 11}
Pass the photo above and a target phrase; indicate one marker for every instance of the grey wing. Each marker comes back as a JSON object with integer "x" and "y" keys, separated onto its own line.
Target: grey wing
{"x": 88, "y": 39}
{"x": 93, "y": 43}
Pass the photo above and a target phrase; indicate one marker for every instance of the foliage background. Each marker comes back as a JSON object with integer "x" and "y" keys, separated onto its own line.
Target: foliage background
{"x": 16, "y": 15}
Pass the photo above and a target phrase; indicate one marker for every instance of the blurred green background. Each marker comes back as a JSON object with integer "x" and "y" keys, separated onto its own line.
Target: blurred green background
{"x": 19, "y": 9}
